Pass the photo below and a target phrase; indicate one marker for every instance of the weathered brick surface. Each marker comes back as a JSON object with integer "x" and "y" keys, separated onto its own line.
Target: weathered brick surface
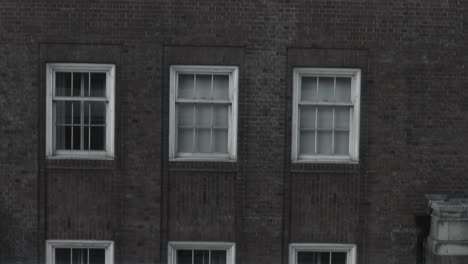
{"x": 413, "y": 126}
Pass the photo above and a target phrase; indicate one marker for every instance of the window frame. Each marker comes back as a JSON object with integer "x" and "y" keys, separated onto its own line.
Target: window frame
{"x": 355, "y": 74}
{"x": 173, "y": 246}
{"x": 108, "y": 152}
{"x": 233, "y": 72}
{"x": 350, "y": 249}
{"x": 51, "y": 245}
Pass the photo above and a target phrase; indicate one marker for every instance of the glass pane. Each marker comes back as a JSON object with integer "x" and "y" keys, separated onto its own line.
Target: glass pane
{"x": 63, "y": 84}
{"x": 325, "y": 92}
{"x": 342, "y": 118}
{"x": 184, "y": 256}
{"x": 201, "y": 257}
{"x": 62, "y": 255}
{"x": 76, "y": 106}
{"x": 98, "y": 138}
{"x": 307, "y": 258}
{"x": 307, "y": 143}
{"x": 98, "y": 84}
{"x": 85, "y": 80}
{"x": 218, "y": 257}
{"x": 343, "y": 90}
{"x": 86, "y": 131}
{"x": 97, "y": 113}
{"x": 203, "y": 86}
{"x": 63, "y": 112}
{"x": 185, "y": 89}
{"x": 63, "y": 137}
{"x": 338, "y": 258}
{"x": 185, "y": 140}
{"x": 80, "y": 256}
{"x": 220, "y": 116}
{"x": 220, "y": 140}
{"x": 309, "y": 89}
{"x": 221, "y": 87}
{"x": 97, "y": 256}
{"x": 324, "y": 142}
{"x": 185, "y": 115}
{"x": 307, "y": 114}
{"x": 203, "y": 140}
{"x": 76, "y": 137}
{"x": 341, "y": 143}
{"x": 325, "y": 117}
{"x": 76, "y": 89}
{"x": 203, "y": 112}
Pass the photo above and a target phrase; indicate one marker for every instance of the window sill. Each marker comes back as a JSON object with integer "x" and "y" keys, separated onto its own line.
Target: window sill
{"x": 199, "y": 159}
{"x": 80, "y": 157}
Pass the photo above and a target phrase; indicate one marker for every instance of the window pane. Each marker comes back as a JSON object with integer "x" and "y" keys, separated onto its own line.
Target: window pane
{"x": 76, "y": 90}
{"x": 307, "y": 258}
{"x": 98, "y": 84}
{"x": 80, "y": 255}
{"x": 307, "y": 143}
{"x": 63, "y": 112}
{"x": 313, "y": 257}
{"x": 324, "y": 142}
{"x": 342, "y": 118}
{"x": 203, "y": 112}
{"x": 338, "y": 258}
{"x": 221, "y": 87}
{"x": 62, "y": 255}
{"x": 201, "y": 257}
{"x": 218, "y": 257}
{"x": 185, "y": 140}
{"x": 98, "y": 137}
{"x": 186, "y": 83}
{"x": 86, "y": 131}
{"x": 186, "y": 115}
{"x": 63, "y": 84}
{"x": 76, "y": 137}
{"x": 326, "y": 89}
{"x": 203, "y": 86}
{"x": 343, "y": 90}
{"x": 98, "y": 113}
{"x": 341, "y": 143}
{"x": 220, "y": 116}
{"x": 63, "y": 137}
{"x": 309, "y": 89}
{"x": 307, "y": 115}
{"x": 184, "y": 256}
{"x": 203, "y": 140}
{"x": 97, "y": 256}
{"x": 324, "y": 117}
{"x": 220, "y": 140}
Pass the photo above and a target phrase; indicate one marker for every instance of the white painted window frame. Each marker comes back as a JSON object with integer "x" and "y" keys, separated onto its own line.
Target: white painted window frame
{"x": 51, "y": 245}
{"x": 51, "y": 152}
{"x": 355, "y": 75}
{"x": 173, "y": 246}
{"x": 233, "y": 72}
{"x": 350, "y": 250}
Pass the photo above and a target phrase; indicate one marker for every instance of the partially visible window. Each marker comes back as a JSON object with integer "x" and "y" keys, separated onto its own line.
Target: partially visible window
{"x": 203, "y": 112}
{"x": 201, "y": 253}
{"x": 80, "y": 110}
{"x": 79, "y": 252}
{"x": 322, "y": 254}
{"x": 325, "y": 124}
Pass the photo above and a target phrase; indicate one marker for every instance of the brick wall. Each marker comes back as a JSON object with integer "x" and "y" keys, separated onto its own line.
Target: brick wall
{"x": 413, "y": 126}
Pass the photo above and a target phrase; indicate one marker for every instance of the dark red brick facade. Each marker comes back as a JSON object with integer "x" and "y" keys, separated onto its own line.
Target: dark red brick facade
{"x": 414, "y": 127}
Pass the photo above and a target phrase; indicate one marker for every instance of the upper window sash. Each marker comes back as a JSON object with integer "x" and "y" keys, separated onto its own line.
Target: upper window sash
{"x": 229, "y": 247}
{"x": 51, "y": 245}
{"x": 349, "y": 249}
